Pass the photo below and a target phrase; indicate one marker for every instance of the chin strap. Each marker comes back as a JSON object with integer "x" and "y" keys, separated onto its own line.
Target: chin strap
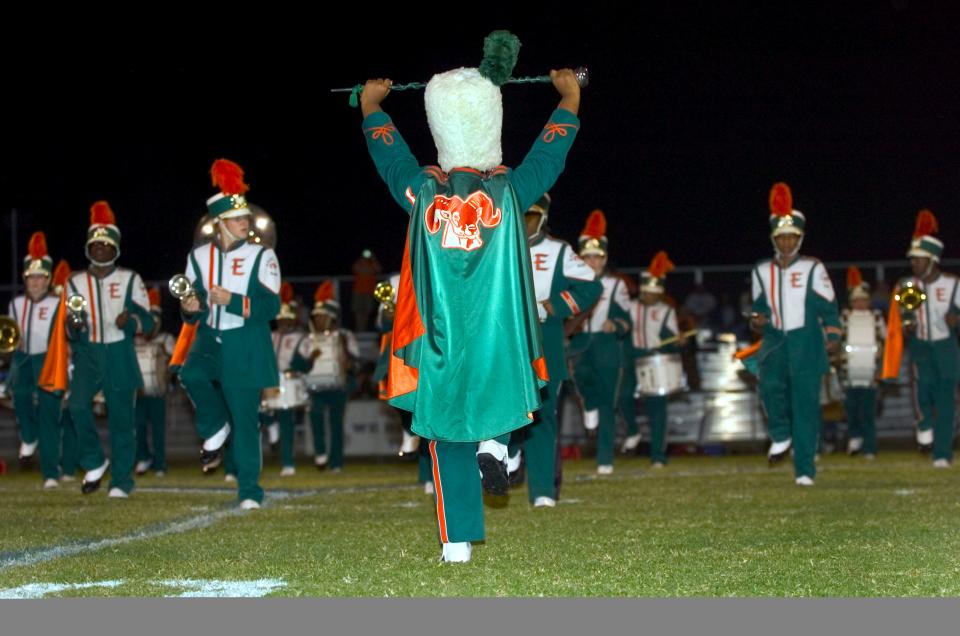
{"x": 103, "y": 263}
{"x": 795, "y": 251}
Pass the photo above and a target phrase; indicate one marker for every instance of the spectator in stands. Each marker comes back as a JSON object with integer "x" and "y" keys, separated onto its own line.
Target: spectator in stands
{"x": 366, "y": 269}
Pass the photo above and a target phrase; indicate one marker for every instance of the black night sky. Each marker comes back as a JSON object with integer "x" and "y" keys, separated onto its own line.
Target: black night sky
{"x": 691, "y": 115}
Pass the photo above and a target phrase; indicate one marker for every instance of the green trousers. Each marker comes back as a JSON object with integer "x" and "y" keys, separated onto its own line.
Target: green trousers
{"x": 540, "y": 446}
{"x": 626, "y": 402}
{"x": 861, "y": 406}
{"x": 326, "y": 409}
{"x": 68, "y": 455}
{"x": 287, "y": 420}
{"x": 597, "y": 374}
{"x": 935, "y": 369}
{"x": 656, "y": 408}
{"x": 458, "y": 491}
{"x": 791, "y": 399}
{"x": 121, "y": 407}
{"x": 151, "y": 420}
{"x": 216, "y": 405}
{"x": 38, "y": 413}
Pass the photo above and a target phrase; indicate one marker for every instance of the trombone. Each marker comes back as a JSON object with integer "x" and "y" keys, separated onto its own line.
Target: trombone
{"x": 9, "y": 335}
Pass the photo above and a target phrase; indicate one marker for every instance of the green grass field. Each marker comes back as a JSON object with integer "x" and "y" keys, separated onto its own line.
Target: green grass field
{"x": 701, "y": 527}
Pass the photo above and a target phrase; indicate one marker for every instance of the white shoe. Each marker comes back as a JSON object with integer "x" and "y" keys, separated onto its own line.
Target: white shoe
{"x": 116, "y": 493}
{"x": 630, "y": 443}
{"x": 50, "y": 484}
{"x": 591, "y": 419}
{"x": 288, "y": 471}
{"x": 428, "y": 488}
{"x": 456, "y": 552}
{"x": 409, "y": 444}
{"x": 230, "y": 479}
{"x": 513, "y": 463}
{"x": 27, "y": 450}
{"x": 544, "y": 502}
{"x": 67, "y": 478}
{"x": 493, "y": 447}
{"x": 925, "y": 438}
{"x": 658, "y": 465}
{"x": 143, "y": 466}
{"x": 249, "y": 504}
{"x": 854, "y": 444}
{"x": 217, "y": 440}
{"x": 97, "y": 473}
{"x": 273, "y": 433}
{"x": 941, "y": 463}
{"x": 778, "y": 449}
{"x": 803, "y": 480}
{"x": 869, "y": 456}
{"x": 320, "y": 460}
{"x": 605, "y": 469}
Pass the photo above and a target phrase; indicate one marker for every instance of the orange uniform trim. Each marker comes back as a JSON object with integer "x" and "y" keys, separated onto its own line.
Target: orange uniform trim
{"x": 540, "y": 366}
{"x": 93, "y": 309}
{"x": 188, "y": 333}
{"x": 441, "y": 514}
{"x": 53, "y": 376}
{"x": 407, "y": 327}
{"x": 743, "y": 354}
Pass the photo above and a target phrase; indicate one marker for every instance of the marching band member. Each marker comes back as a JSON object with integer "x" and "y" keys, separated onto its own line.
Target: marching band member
{"x": 236, "y": 283}
{"x": 37, "y": 411}
{"x": 467, "y": 358}
{"x": 597, "y": 372}
{"x": 565, "y": 286}
{"x": 102, "y": 347}
{"x": 861, "y": 391}
{"x": 68, "y": 453}
{"x": 792, "y": 297}
{"x": 931, "y": 340}
{"x": 410, "y": 443}
{"x": 328, "y": 395}
{"x": 286, "y": 337}
{"x": 153, "y": 352}
{"x": 653, "y": 322}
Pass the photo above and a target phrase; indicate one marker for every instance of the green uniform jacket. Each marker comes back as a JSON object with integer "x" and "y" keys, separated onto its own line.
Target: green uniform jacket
{"x": 467, "y": 329}
{"x": 120, "y": 368}
{"x": 247, "y": 356}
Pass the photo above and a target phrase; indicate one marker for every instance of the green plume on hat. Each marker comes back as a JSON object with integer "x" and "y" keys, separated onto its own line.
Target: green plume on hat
{"x": 500, "y": 50}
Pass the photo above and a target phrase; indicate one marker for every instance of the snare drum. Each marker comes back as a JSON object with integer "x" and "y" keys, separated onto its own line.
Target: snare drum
{"x": 329, "y": 370}
{"x": 292, "y": 393}
{"x": 660, "y": 374}
{"x": 861, "y": 349}
{"x": 153, "y": 368}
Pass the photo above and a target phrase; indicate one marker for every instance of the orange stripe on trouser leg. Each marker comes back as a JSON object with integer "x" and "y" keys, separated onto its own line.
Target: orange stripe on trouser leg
{"x": 441, "y": 515}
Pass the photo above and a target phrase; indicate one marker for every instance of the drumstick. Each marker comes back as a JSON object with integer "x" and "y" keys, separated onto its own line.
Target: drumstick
{"x": 672, "y": 339}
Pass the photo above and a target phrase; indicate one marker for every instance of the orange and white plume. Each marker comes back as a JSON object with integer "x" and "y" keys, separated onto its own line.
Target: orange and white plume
{"x": 926, "y": 224}
{"x": 661, "y": 265}
{"x": 228, "y": 176}
{"x": 286, "y": 293}
{"x": 61, "y": 273}
{"x": 37, "y": 248}
{"x": 101, "y": 214}
{"x": 596, "y": 226}
{"x": 781, "y": 200}
{"x": 324, "y": 292}
{"x": 854, "y": 277}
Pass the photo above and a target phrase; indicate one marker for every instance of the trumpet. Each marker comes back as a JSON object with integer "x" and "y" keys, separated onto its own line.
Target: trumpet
{"x": 9, "y": 335}
{"x": 180, "y": 287}
{"x": 910, "y": 298}
{"x": 384, "y": 293}
{"x": 76, "y": 306}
